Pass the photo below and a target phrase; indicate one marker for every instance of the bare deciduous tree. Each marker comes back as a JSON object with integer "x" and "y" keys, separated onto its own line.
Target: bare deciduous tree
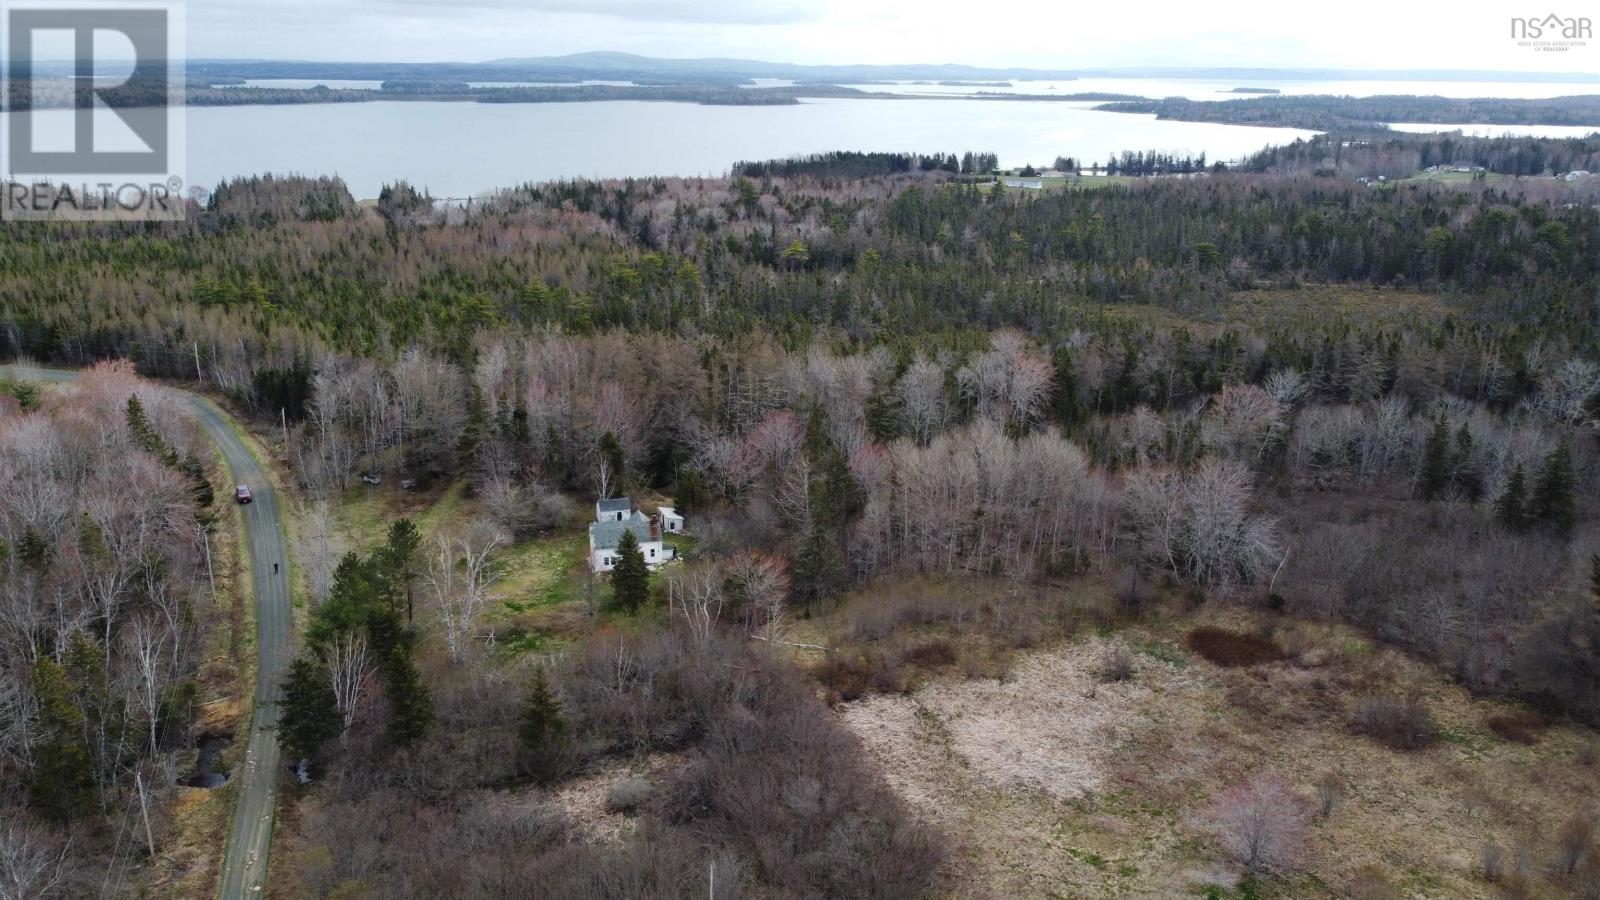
{"x": 461, "y": 575}
{"x": 1262, "y": 823}
{"x": 350, "y": 669}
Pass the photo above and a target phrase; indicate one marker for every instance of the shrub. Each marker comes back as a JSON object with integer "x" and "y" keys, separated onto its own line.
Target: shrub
{"x": 627, "y": 795}
{"x": 849, "y": 677}
{"x": 1518, "y": 727}
{"x": 1370, "y": 883}
{"x": 931, "y": 655}
{"x": 1574, "y": 842}
{"x": 1231, "y": 649}
{"x": 1117, "y": 664}
{"x": 1262, "y": 823}
{"x": 1491, "y": 861}
{"x": 1330, "y": 789}
{"x": 1402, "y": 723}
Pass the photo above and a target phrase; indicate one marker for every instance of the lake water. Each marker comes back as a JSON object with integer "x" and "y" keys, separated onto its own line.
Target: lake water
{"x": 463, "y": 149}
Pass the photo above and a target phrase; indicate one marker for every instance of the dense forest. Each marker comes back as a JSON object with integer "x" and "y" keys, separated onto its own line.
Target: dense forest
{"x": 1327, "y": 113}
{"x": 1398, "y": 155}
{"x": 1278, "y": 390}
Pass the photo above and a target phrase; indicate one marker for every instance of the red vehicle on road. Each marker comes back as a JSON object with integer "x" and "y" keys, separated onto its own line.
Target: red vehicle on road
{"x": 242, "y": 494}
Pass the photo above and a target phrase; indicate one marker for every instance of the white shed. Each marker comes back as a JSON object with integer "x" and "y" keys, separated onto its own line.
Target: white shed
{"x": 614, "y": 509}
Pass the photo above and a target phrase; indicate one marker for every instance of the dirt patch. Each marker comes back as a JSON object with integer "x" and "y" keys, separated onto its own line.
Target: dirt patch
{"x": 1052, "y": 726}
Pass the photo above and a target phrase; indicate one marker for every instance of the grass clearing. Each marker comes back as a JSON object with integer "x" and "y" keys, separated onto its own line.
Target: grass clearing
{"x": 1055, "y": 783}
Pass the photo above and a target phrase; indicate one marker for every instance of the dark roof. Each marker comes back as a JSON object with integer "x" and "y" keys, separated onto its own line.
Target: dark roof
{"x": 615, "y": 504}
{"x": 607, "y": 535}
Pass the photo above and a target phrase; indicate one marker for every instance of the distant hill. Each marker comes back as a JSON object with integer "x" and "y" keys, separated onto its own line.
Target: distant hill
{"x": 613, "y": 66}
{"x": 605, "y": 61}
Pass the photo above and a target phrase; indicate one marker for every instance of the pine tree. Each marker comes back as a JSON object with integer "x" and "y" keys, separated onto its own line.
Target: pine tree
{"x": 818, "y": 567}
{"x": 1511, "y": 510}
{"x": 310, "y": 713}
{"x": 1434, "y": 477}
{"x": 474, "y": 432}
{"x": 543, "y": 732}
{"x": 617, "y": 462}
{"x": 630, "y": 580}
{"x": 691, "y": 496}
{"x": 398, "y": 559}
{"x": 1555, "y": 499}
{"x": 61, "y": 784}
{"x": 410, "y": 701}
{"x": 146, "y": 437}
{"x": 1467, "y": 478}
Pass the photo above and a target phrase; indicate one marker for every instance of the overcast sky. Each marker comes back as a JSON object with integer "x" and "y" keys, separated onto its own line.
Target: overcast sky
{"x": 1040, "y": 33}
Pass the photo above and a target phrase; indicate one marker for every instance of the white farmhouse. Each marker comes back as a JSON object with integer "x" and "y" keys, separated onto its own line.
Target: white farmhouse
{"x": 605, "y": 535}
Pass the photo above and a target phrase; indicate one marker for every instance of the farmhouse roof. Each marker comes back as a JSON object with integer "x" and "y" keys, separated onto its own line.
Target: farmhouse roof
{"x": 607, "y": 535}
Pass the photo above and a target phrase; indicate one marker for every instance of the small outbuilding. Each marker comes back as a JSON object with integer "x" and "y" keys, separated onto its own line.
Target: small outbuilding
{"x": 614, "y": 509}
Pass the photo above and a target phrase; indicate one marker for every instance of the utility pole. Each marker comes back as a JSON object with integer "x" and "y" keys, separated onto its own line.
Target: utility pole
{"x": 149, "y": 838}
{"x": 205, "y": 537}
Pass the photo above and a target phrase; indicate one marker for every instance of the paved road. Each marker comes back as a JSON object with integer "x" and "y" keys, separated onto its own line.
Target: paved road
{"x": 244, "y": 868}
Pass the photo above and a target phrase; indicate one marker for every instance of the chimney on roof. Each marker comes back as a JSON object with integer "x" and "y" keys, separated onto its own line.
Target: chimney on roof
{"x": 655, "y": 526}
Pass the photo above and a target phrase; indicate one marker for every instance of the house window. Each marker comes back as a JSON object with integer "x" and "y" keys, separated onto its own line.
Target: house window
{"x": 652, "y": 553}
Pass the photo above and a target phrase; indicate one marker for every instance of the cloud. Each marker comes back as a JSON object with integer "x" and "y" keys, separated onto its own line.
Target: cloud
{"x": 717, "y": 12}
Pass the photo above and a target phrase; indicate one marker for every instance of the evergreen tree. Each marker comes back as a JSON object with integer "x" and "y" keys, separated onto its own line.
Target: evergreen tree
{"x": 1555, "y": 500}
{"x": 1511, "y": 510}
{"x": 398, "y": 557}
{"x": 1064, "y": 403}
{"x": 145, "y": 435}
{"x": 410, "y": 701}
{"x": 199, "y": 484}
{"x": 474, "y": 432}
{"x": 1467, "y": 478}
{"x": 1434, "y": 478}
{"x": 61, "y": 784}
{"x": 617, "y": 462}
{"x": 310, "y": 712}
{"x": 883, "y": 417}
{"x": 543, "y": 733}
{"x": 818, "y": 567}
{"x": 630, "y": 580}
{"x": 691, "y": 496}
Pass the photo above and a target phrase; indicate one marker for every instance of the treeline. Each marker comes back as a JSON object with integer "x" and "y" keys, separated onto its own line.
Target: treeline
{"x": 1398, "y": 155}
{"x": 854, "y": 164}
{"x": 277, "y": 271}
{"x": 143, "y": 92}
{"x": 1328, "y": 113}
{"x": 1154, "y": 162}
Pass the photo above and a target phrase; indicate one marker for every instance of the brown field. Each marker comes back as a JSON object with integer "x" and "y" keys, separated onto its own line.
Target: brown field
{"x": 1056, "y": 783}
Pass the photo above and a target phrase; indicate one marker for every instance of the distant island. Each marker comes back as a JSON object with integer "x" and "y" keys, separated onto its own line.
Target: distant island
{"x": 1325, "y": 113}
{"x": 1253, "y": 90}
